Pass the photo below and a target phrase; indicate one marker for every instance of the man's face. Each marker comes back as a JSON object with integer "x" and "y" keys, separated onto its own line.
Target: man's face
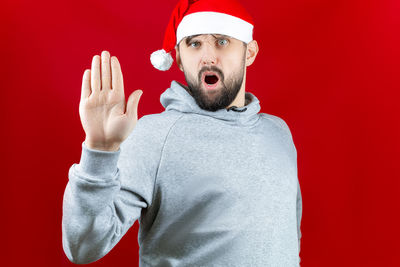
{"x": 214, "y": 68}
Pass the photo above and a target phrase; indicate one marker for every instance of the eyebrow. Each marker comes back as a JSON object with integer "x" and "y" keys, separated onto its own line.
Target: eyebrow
{"x": 216, "y": 36}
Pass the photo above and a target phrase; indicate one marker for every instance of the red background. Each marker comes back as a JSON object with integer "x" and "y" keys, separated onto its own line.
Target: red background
{"x": 330, "y": 69}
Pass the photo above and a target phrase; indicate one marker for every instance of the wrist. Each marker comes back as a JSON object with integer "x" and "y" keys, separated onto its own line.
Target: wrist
{"x": 101, "y": 146}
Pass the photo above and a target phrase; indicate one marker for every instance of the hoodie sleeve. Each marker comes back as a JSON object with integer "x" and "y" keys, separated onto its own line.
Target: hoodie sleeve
{"x": 299, "y": 213}
{"x": 299, "y": 204}
{"x": 106, "y": 192}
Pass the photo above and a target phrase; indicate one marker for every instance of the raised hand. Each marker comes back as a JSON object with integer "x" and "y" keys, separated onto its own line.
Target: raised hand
{"x": 106, "y": 119}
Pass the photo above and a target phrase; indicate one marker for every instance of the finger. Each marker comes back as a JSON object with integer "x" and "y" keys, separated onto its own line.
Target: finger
{"x": 105, "y": 70}
{"x": 116, "y": 76}
{"x": 85, "y": 91}
{"x": 132, "y": 105}
{"x": 95, "y": 74}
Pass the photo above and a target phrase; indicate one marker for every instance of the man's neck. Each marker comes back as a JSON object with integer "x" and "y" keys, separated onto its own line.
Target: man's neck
{"x": 240, "y": 100}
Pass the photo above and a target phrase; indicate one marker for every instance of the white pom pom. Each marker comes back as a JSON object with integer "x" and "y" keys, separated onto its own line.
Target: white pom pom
{"x": 161, "y": 60}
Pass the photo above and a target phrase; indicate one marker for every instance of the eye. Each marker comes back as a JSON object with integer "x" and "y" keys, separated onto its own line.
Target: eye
{"x": 223, "y": 42}
{"x": 195, "y": 42}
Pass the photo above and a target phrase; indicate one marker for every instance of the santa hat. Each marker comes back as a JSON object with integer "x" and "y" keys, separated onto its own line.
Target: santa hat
{"x": 192, "y": 17}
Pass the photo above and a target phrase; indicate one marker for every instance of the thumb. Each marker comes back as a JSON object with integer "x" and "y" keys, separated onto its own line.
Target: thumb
{"x": 132, "y": 105}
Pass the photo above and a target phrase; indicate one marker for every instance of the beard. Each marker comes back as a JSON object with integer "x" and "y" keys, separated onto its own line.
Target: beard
{"x": 220, "y": 97}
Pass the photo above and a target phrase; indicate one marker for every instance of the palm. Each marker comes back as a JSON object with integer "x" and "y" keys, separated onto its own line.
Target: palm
{"x": 102, "y": 111}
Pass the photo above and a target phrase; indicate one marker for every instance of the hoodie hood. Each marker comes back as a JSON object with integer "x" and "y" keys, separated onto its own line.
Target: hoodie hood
{"x": 176, "y": 97}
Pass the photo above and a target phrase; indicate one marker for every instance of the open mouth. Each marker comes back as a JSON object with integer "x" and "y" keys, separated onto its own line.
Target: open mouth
{"x": 210, "y": 79}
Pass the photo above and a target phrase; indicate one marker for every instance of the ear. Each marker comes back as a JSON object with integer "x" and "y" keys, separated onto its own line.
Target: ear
{"x": 251, "y": 53}
{"x": 178, "y": 58}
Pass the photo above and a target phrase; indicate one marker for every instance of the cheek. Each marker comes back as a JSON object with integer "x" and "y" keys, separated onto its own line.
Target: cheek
{"x": 232, "y": 61}
{"x": 189, "y": 63}
{"x": 232, "y": 67}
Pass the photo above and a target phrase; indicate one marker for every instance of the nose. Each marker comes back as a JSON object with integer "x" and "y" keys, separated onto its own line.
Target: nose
{"x": 209, "y": 56}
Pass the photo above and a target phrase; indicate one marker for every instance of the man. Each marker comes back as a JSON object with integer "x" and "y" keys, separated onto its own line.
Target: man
{"x": 211, "y": 181}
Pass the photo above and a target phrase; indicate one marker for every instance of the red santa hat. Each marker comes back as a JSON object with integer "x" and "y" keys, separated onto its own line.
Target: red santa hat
{"x": 192, "y": 17}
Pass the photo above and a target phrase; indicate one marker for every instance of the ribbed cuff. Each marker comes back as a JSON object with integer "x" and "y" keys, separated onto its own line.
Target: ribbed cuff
{"x": 97, "y": 162}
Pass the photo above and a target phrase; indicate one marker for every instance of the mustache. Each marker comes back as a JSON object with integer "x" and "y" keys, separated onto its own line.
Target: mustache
{"x": 212, "y": 68}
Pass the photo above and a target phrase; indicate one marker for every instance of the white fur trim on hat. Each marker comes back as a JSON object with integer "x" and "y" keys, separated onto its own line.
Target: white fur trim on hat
{"x": 161, "y": 60}
{"x": 214, "y": 22}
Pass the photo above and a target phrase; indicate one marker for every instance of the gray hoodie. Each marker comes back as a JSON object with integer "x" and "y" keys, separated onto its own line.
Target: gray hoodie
{"x": 208, "y": 189}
